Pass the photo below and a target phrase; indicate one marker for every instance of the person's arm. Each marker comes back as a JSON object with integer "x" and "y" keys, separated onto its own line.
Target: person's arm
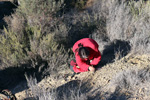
{"x": 97, "y": 58}
{"x": 83, "y": 65}
{"x": 90, "y": 68}
{"x": 77, "y": 70}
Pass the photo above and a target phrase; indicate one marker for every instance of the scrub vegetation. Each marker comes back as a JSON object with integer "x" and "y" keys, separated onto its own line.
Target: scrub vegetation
{"x": 37, "y": 38}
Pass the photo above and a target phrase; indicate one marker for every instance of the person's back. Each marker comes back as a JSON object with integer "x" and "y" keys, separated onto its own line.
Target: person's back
{"x": 86, "y": 42}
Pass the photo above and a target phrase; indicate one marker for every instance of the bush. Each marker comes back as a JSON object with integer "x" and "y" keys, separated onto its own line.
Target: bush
{"x": 12, "y": 47}
{"x": 39, "y": 13}
{"x": 33, "y": 46}
{"x": 39, "y": 33}
{"x": 125, "y": 20}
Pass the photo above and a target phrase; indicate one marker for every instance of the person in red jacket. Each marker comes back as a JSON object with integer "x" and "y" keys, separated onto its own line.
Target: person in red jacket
{"x": 87, "y": 55}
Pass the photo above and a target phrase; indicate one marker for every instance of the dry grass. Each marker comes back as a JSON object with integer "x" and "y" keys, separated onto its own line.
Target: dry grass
{"x": 67, "y": 91}
{"x": 129, "y": 22}
{"x": 131, "y": 84}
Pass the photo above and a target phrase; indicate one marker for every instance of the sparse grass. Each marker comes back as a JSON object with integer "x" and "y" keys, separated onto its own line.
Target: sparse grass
{"x": 55, "y": 93}
{"x": 37, "y": 92}
{"x": 131, "y": 84}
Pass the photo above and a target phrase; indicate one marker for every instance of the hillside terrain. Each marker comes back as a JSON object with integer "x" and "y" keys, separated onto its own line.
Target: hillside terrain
{"x": 96, "y": 85}
{"x": 36, "y": 47}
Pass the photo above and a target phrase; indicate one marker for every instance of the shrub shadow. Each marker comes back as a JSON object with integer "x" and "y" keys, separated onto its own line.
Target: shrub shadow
{"x": 6, "y": 9}
{"x": 116, "y": 95}
{"x": 13, "y": 76}
{"x": 117, "y": 48}
{"x": 120, "y": 95}
{"x": 71, "y": 4}
{"x": 73, "y": 88}
{"x": 79, "y": 31}
{"x": 65, "y": 89}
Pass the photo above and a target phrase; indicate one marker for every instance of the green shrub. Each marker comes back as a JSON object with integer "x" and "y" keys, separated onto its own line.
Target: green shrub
{"x": 41, "y": 35}
{"x": 37, "y": 11}
{"x": 12, "y": 47}
{"x": 20, "y": 48}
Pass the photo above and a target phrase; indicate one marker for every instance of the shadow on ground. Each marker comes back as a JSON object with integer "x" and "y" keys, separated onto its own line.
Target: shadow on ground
{"x": 117, "y": 48}
{"x": 6, "y": 9}
{"x": 13, "y": 77}
{"x": 76, "y": 90}
{"x": 71, "y": 4}
{"x": 73, "y": 90}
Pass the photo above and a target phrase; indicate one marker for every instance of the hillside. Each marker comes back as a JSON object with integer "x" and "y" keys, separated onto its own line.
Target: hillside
{"x": 36, "y": 47}
{"x": 98, "y": 85}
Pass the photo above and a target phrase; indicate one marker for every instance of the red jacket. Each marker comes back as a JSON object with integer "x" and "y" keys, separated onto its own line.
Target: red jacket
{"x": 95, "y": 54}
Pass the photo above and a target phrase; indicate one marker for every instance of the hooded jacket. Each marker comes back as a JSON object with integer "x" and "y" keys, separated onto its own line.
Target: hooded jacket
{"x": 94, "y": 55}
